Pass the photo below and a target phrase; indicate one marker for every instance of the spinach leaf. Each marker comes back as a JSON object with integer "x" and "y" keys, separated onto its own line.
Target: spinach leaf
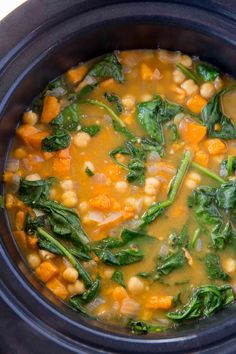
{"x": 137, "y": 150}
{"x": 107, "y": 67}
{"x": 1, "y": 202}
{"x": 141, "y": 327}
{"x": 90, "y": 293}
{"x": 123, "y": 256}
{"x": 228, "y": 167}
{"x": 226, "y": 195}
{"x": 212, "y": 114}
{"x": 86, "y": 90}
{"x": 188, "y": 73}
{"x": 31, "y": 224}
{"x": 202, "y": 200}
{"x": 158, "y": 208}
{"x": 204, "y": 302}
{"x": 222, "y": 234}
{"x": 113, "y": 98}
{"x": 43, "y": 234}
{"x": 174, "y": 132}
{"x": 89, "y": 172}
{"x": 152, "y": 114}
{"x": 68, "y": 118}
{"x": 171, "y": 262}
{"x": 30, "y": 192}
{"x": 120, "y": 258}
{"x": 117, "y": 123}
{"x": 118, "y": 277}
{"x": 64, "y": 222}
{"x": 207, "y": 72}
{"x": 75, "y": 303}
{"x": 58, "y": 140}
{"x": 91, "y": 130}
{"x": 214, "y": 269}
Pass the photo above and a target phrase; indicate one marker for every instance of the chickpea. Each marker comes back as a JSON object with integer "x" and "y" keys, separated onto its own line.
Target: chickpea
{"x": 178, "y": 76}
{"x": 69, "y": 199}
{"x": 121, "y": 186}
{"x": 229, "y": 265}
{"x": 70, "y": 275}
{"x": 190, "y": 183}
{"x": 30, "y": 118}
{"x": 108, "y": 273}
{"x": 83, "y": 207}
{"x": 53, "y": 194}
{"x": 128, "y": 102}
{"x": 20, "y": 153}
{"x": 178, "y": 118}
{"x": 186, "y": 61}
{"x": 190, "y": 87}
{"x": 135, "y": 285}
{"x": 89, "y": 165}
{"x": 46, "y": 255}
{"x": 81, "y": 139}
{"x": 148, "y": 201}
{"x": 152, "y": 186}
{"x": 10, "y": 201}
{"x": 33, "y": 260}
{"x": 207, "y": 90}
{"x": 131, "y": 202}
{"x": 218, "y": 83}
{"x": 33, "y": 177}
{"x": 67, "y": 184}
{"x": 76, "y": 288}
{"x": 195, "y": 177}
{"x": 69, "y": 194}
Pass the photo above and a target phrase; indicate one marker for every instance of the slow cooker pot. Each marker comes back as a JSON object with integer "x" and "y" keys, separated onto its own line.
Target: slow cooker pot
{"x": 41, "y": 40}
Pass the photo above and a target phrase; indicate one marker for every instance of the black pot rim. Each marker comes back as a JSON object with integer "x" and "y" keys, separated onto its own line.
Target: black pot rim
{"x": 202, "y": 337}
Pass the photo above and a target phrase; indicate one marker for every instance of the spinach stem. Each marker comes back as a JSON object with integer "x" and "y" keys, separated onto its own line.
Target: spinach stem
{"x": 113, "y": 115}
{"x": 195, "y": 237}
{"x": 188, "y": 73}
{"x": 207, "y": 172}
{"x": 179, "y": 176}
{"x": 230, "y": 165}
{"x": 74, "y": 262}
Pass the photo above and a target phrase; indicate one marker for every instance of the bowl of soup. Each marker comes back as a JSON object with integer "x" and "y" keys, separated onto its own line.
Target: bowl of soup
{"x": 119, "y": 188}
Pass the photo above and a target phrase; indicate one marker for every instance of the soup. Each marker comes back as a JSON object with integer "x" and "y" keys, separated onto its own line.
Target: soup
{"x": 121, "y": 190}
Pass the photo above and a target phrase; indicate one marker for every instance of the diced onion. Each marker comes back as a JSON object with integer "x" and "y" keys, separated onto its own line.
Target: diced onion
{"x": 96, "y": 216}
{"x": 13, "y": 165}
{"x": 112, "y": 217}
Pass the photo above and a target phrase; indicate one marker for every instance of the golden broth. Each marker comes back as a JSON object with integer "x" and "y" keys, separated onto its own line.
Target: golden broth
{"x": 147, "y": 73}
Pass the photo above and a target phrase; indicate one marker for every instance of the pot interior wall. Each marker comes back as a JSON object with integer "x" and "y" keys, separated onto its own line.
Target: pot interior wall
{"x": 83, "y": 45}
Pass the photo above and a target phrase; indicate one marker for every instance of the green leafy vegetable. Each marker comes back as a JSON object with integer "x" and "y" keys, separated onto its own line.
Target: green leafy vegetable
{"x": 118, "y": 277}
{"x": 74, "y": 262}
{"x": 188, "y": 73}
{"x": 158, "y": 208}
{"x": 59, "y": 139}
{"x": 137, "y": 150}
{"x": 118, "y": 124}
{"x": 223, "y": 234}
{"x": 152, "y": 114}
{"x": 113, "y": 98}
{"x": 228, "y": 167}
{"x": 141, "y": 327}
{"x": 207, "y": 72}
{"x": 174, "y": 132}
{"x": 204, "y": 302}
{"x": 92, "y": 130}
{"x": 31, "y": 224}
{"x": 89, "y": 172}
{"x": 226, "y": 195}
{"x": 68, "y": 118}
{"x": 214, "y": 269}
{"x": 75, "y": 303}
{"x": 1, "y": 202}
{"x": 212, "y": 114}
{"x": 91, "y": 293}
{"x": 174, "y": 261}
{"x": 30, "y": 192}
{"x": 123, "y": 256}
{"x": 207, "y": 172}
{"x": 86, "y": 90}
{"x": 107, "y": 67}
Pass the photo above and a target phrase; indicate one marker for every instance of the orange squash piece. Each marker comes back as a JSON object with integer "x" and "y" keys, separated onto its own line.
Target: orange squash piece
{"x": 192, "y": 132}
{"x": 51, "y": 108}
{"x": 35, "y": 140}
{"x": 159, "y": 302}
{"x": 196, "y": 103}
{"x": 24, "y": 131}
{"x": 57, "y": 288}
{"x": 76, "y": 74}
{"x": 202, "y": 158}
{"x": 215, "y": 147}
{"x": 119, "y": 294}
{"x": 61, "y": 167}
{"x": 46, "y": 271}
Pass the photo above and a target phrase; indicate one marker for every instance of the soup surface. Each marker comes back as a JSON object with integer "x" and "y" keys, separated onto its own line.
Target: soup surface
{"x": 121, "y": 190}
